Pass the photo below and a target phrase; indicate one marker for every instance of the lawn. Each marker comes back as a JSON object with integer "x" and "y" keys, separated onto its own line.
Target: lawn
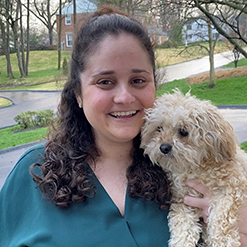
{"x": 165, "y": 57}
{"x": 244, "y": 146}
{"x": 11, "y": 137}
{"x": 229, "y": 91}
{"x": 4, "y": 102}
{"x": 42, "y": 68}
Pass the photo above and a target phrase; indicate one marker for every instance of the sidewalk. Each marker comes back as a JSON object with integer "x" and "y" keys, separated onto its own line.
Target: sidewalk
{"x": 9, "y": 157}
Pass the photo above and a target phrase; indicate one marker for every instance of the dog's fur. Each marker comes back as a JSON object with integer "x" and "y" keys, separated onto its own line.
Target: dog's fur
{"x": 191, "y": 140}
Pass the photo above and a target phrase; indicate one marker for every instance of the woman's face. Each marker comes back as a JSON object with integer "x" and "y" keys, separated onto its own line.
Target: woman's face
{"x": 116, "y": 85}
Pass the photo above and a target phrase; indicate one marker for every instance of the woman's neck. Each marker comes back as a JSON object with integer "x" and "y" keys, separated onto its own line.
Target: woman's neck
{"x": 115, "y": 153}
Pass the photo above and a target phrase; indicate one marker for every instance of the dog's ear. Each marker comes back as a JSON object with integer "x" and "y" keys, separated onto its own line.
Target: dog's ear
{"x": 218, "y": 134}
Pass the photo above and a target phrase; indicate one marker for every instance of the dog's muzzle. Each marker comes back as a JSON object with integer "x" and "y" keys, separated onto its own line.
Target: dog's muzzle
{"x": 165, "y": 148}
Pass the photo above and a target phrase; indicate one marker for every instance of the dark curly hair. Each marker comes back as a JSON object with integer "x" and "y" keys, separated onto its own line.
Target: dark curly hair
{"x": 65, "y": 175}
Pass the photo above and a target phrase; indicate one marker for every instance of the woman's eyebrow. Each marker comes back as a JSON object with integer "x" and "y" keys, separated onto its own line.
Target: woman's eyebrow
{"x": 106, "y": 72}
{"x": 110, "y": 72}
{"x": 139, "y": 71}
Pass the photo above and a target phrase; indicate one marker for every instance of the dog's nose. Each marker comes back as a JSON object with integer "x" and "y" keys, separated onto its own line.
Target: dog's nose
{"x": 165, "y": 148}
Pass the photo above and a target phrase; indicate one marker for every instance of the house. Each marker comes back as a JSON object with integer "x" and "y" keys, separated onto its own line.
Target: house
{"x": 157, "y": 35}
{"x": 83, "y": 7}
{"x": 197, "y": 30}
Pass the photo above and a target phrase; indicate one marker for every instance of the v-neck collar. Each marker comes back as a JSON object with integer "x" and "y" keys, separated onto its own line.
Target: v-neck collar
{"x": 103, "y": 194}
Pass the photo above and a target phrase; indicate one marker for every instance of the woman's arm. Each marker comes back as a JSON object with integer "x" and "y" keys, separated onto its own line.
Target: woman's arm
{"x": 203, "y": 204}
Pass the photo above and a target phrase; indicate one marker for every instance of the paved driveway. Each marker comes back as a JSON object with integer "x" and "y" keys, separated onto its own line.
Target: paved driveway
{"x": 26, "y": 101}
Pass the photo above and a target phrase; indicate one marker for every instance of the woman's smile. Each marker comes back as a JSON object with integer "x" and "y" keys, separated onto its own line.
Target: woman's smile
{"x": 123, "y": 114}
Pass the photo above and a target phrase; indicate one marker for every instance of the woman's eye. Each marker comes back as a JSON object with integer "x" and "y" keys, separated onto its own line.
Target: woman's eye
{"x": 138, "y": 81}
{"x": 104, "y": 82}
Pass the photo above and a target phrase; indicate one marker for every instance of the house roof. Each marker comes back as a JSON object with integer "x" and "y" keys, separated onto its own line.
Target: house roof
{"x": 82, "y": 6}
{"x": 156, "y": 30}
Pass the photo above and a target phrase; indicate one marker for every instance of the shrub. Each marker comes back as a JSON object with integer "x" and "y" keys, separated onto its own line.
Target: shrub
{"x": 35, "y": 118}
{"x": 44, "y": 118}
{"x": 65, "y": 67}
{"x": 25, "y": 119}
{"x": 169, "y": 44}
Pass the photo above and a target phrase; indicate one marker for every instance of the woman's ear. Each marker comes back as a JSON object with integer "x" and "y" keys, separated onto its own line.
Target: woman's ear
{"x": 79, "y": 101}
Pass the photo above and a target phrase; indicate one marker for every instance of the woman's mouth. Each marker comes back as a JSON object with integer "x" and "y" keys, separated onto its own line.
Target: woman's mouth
{"x": 123, "y": 114}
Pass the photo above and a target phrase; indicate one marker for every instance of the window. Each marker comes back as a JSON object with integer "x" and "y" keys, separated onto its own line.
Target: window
{"x": 68, "y": 39}
{"x": 67, "y": 19}
{"x": 199, "y": 26}
{"x": 189, "y": 27}
{"x": 215, "y": 36}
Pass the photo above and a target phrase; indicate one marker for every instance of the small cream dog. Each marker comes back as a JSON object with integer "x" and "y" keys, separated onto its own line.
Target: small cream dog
{"x": 191, "y": 140}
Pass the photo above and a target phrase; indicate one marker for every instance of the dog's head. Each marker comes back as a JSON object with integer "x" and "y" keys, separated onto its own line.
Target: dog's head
{"x": 185, "y": 130}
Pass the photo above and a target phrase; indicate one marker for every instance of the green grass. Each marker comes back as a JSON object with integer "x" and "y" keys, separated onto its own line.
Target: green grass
{"x": 168, "y": 56}
{"x": 241, "y": 62}
{"x": 230, "y": 91}
{"x": 244, "y": 146}
{"x": 4, "y": 102}
{"x": 42, "y": 68}
{"x": 10, "y": 139}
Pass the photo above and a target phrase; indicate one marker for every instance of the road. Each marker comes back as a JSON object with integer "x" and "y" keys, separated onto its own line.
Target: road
{"x": 26, "y": 101}
{"x": 193, "y": 67}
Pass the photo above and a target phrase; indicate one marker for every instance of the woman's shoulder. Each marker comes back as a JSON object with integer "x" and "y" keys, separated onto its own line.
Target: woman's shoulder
{"x": 35, "y": 154}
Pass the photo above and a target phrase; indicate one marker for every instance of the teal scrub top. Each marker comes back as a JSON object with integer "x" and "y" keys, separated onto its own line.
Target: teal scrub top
{"x": 28, "y": 219}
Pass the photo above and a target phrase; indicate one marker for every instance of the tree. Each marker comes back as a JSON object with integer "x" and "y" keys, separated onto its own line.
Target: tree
{"x": 227, "y": 17}
{"x": 130, "y": 6}
{"x": 45, "y": 11}
{"x": 74, "y": 12}
{"x": 5, "y": 34}
{"x": 59, "y": 35}
{"x": 28, "y": 36}
{"x": 212, "y": 44}
{"x": 14, "y": 23}
{"x": 228, "y": 25}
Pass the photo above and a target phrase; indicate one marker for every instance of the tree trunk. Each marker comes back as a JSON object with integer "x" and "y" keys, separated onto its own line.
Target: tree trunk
{"x": 22, "y": 44}
{"x": 74, "y": 11}
{"x": 59, "y": 35}
{"x": 14, "y": 26}
{"x": 50, "y": 35}
{"x": 28, "y": 46}
{"x": 50, "y": 27}
{"x": 211, "y": 53}
{"x": 5, "y": 37}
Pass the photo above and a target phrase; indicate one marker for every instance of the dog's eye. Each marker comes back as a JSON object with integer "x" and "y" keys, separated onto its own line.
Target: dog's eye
{"x": 183, "y": 132}
{"x": 159, "y": 128}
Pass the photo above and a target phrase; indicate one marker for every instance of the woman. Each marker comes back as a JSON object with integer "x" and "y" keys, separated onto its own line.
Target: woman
{"x": 95, "y": 187}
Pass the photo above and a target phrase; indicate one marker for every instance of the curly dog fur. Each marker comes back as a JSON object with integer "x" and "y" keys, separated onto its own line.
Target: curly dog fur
{"x": 190, "y": 139}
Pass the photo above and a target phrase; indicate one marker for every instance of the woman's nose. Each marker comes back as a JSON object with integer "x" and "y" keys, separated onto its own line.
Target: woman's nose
{"x": 124, "y": 95}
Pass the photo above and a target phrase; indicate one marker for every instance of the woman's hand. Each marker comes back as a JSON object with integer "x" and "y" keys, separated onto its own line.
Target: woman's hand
{"x": 203, "y": 203}
{"x": 243, "y": 225}
{"x": 199, "y": 202}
